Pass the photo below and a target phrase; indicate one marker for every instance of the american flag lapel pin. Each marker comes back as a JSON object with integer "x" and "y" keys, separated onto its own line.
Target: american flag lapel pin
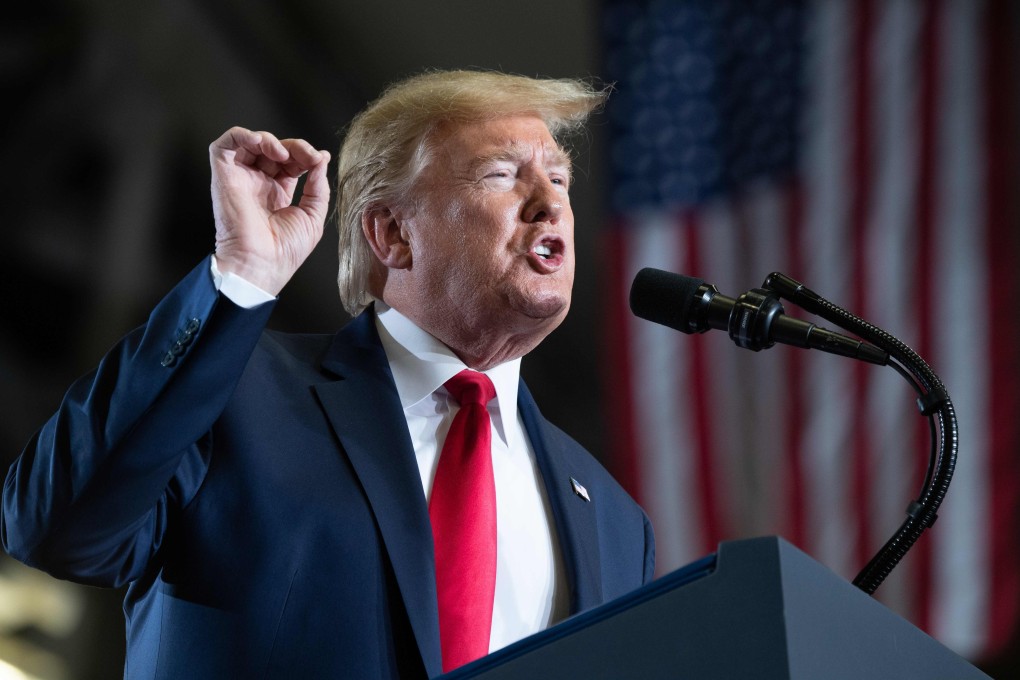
{"x": 580, "y": 490}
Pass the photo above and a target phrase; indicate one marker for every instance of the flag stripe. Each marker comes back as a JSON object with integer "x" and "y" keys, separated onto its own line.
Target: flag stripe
{"x": 960, "y": 273}
{"x": 1002, "y": 214}
{"x": 926, "y": 207}
{"x": 861, "y": 136}
{"x": 888, "y": 256}
{"x": 825, "y": 172}
{"x": 706, "y": 452}
{"x": 794, "y": 474}
{"x": 669, "y": 486}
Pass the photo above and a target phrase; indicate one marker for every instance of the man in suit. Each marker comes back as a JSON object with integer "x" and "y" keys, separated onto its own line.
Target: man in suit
{"x": 270, "y": 499}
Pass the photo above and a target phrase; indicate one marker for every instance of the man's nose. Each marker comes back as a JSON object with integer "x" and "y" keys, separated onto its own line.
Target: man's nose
{"x": 545, "y": 203}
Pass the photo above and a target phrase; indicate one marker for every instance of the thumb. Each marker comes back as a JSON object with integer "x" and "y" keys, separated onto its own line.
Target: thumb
{"x": 315, "y": 194}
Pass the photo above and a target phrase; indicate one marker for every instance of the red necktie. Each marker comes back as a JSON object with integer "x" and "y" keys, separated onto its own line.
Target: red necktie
{"x": 463, "y": 514}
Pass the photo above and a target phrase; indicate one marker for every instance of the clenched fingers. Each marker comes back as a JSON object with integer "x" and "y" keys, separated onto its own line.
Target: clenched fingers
{"x": 263, "y": 150}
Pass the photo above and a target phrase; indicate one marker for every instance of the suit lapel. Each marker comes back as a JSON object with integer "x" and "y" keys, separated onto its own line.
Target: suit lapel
{"x": 365, "y": 412}
{"x": 573, "y": 515}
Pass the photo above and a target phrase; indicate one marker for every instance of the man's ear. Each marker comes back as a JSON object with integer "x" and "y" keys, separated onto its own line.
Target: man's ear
{"x": 386, "y": 237}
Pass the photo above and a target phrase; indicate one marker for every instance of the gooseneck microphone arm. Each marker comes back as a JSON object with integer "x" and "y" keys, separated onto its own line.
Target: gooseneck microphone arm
{"x": 756, "y": 320}
{"x": 933, "y": 401}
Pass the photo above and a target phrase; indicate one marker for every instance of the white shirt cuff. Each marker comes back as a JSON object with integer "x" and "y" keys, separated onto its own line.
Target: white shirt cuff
{"x": 238, "y": 290}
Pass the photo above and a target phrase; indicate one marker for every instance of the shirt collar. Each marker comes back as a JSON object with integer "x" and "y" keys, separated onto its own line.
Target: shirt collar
{"x": 421, "y": 364}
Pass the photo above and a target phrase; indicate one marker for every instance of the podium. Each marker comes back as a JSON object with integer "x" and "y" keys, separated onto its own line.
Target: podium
{"x": 758, "y": 608}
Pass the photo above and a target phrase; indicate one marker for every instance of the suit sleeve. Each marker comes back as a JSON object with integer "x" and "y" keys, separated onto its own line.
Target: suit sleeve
{"x": 90, "y": 497}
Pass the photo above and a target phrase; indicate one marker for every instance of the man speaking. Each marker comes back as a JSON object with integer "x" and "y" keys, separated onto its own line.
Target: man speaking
{"x": 387, "y": 502}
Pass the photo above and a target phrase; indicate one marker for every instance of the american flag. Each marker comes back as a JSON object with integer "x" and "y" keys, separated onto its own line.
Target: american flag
{"x": 862, "y": 147}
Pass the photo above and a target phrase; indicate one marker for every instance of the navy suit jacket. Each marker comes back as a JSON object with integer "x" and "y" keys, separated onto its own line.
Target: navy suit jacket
{"x": 259, "y": 494}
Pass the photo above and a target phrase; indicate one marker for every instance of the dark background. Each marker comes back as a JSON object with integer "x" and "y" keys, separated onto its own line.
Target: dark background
{"x": 110, "y": 108}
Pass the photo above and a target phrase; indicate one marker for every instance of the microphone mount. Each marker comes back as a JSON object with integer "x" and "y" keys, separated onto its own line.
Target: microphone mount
{"x": 933, "y": 402}
{"x": 756, "y": 320}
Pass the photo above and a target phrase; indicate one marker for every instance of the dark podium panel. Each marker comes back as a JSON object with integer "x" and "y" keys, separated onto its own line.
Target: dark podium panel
{"x": 758, "y": 609}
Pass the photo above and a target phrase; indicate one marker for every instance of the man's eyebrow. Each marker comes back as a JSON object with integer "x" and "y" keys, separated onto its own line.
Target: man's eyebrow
{"x": 560, "y": 156}
{"x": 516, "y": 151}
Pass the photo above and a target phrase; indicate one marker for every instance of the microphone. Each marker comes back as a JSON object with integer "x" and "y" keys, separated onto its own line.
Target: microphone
{"x": 756, "y": 320}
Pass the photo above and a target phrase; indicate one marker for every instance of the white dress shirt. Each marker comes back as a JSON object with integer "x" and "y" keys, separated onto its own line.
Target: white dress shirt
{"x": 531, "y": 588}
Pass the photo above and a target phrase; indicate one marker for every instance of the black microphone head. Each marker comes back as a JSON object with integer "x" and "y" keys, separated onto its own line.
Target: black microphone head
{"x": 666, "y": 298}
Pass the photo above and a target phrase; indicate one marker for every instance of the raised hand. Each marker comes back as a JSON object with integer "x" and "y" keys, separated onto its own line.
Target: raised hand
{"x": 259, "y": 234}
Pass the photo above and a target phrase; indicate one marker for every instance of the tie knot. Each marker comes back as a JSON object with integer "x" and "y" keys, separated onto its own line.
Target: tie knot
{"x": 471, "y": 387}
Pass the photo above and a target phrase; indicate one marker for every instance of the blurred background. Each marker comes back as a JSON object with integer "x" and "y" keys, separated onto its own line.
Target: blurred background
{"x": 868, "y": 148}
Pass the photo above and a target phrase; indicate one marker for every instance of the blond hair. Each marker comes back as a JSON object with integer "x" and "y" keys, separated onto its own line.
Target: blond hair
{"x": 386, "y": 146}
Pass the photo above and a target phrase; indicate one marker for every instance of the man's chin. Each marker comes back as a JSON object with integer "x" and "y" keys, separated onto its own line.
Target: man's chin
{"x": 549, "y": 307}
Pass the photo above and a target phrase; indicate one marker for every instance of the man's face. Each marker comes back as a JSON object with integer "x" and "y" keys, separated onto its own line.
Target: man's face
{"x": 492, "y": 231}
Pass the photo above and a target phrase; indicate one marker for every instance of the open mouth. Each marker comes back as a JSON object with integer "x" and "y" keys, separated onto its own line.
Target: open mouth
{"x": 547, "y": 253}
{"x": 543, "y": 251}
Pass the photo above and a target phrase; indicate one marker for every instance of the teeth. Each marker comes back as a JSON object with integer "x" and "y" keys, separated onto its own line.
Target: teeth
{"x": 543, "y": 251}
